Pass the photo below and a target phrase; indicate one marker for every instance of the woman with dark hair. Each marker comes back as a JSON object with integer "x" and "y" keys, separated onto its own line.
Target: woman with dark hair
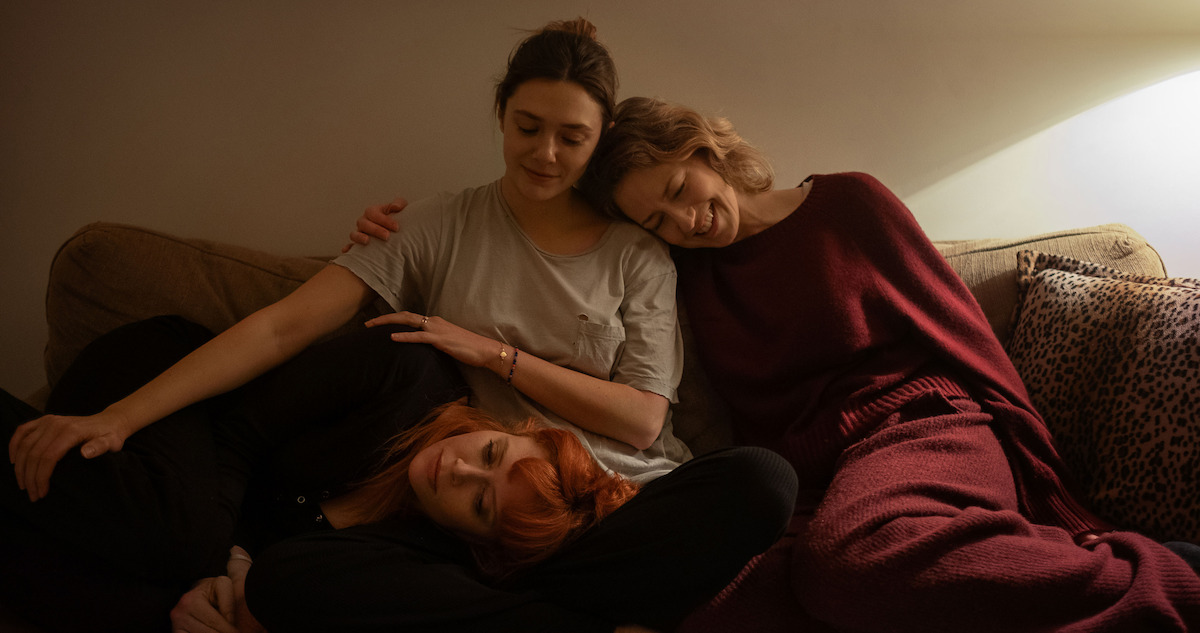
{"x": 549, "y": 309}
{"x": 842, "y": 340}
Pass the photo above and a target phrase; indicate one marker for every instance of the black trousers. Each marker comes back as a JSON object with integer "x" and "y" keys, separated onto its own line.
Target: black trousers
{"x": 120, "y": 537}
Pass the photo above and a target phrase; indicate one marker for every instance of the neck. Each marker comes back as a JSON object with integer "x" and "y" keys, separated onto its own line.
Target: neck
{"x": 343, "y": 511}
{"x": 563, "y": 225}
{"x": 759, "y": 211}
{"x": 379, "y": 497}
{"x": 524, "y": 207}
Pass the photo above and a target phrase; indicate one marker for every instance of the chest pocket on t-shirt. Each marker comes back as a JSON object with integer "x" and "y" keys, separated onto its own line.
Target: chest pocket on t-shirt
{"x": 596, "y": 347}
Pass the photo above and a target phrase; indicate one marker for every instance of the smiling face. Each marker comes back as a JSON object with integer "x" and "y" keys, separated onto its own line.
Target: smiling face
{"x": 463, "y": 482}
{"x": 550, "y": 130}
{"x": 685, "y": 203}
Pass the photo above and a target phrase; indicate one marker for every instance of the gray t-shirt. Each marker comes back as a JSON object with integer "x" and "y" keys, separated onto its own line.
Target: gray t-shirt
{"x": 609, "y": 312}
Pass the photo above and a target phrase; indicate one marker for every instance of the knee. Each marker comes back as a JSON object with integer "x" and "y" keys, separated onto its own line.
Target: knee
{"x": 831, "y": 579}
{"x": 861, "y": 573}
{"x": 759, "y": 487}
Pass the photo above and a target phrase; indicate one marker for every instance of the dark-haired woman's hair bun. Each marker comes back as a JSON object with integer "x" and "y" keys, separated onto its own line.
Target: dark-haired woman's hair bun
{"x": 579, "y": 26}
{"x": 565, "y": 50}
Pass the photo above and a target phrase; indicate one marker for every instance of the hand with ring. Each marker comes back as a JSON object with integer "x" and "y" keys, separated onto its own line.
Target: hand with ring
{"x": 463, "y": 345}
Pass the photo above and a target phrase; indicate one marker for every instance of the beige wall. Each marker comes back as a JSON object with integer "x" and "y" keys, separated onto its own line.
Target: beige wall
{"x": 272, "y": 124}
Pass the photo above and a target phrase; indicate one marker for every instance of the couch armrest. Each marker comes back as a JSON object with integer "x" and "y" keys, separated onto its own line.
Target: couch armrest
{"x": 107, "y": 275}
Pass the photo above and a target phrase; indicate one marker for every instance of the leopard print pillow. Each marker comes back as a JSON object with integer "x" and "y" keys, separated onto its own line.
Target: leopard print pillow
{"x": 1112, "y": 362}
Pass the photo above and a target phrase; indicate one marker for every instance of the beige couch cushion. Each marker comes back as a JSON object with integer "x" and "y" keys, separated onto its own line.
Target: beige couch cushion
{"x": 108, "y": 275}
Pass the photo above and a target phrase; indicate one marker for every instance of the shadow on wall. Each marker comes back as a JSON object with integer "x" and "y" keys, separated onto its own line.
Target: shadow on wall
{"x": 1135, "y": 160}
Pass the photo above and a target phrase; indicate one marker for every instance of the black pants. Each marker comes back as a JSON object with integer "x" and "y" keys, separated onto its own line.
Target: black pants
{"x": 120, "y": 537}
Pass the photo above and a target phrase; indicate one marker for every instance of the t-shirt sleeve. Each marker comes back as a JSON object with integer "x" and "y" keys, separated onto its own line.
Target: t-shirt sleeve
{"x": 401, "y": 269}
{"x": 652, "y": 357}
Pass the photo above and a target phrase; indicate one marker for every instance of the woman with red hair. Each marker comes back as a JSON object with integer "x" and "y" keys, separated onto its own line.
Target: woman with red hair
{"x": 529, "y": 489}
{"x": 514, "y": 495}
{"x": 509, "y": 495}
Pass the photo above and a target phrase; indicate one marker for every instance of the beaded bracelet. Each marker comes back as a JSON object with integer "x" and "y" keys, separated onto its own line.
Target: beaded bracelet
{"x": 513, "y": 366}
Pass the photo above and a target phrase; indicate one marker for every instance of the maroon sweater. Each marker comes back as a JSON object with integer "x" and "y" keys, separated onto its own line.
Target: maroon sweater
{"x": 813, "y": 329}
{"x": 818, "y": 328}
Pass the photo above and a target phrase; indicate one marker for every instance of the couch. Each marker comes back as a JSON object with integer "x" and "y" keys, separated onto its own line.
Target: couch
{"x": 110, "y": 274}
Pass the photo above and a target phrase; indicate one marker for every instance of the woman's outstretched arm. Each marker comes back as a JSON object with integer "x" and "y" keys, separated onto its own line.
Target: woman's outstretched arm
{"x": 246, "y": 350}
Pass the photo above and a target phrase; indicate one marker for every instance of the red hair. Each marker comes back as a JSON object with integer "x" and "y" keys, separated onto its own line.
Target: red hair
{"x": 572, "y": 492}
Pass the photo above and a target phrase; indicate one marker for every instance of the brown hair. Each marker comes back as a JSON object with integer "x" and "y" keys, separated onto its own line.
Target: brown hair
{"x": 563, "y": 51}
{"x": 648, "y": 132}
{"x": 572, "y": 491}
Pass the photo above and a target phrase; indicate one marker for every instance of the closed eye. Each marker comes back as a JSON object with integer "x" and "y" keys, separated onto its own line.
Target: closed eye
{"x": 679, "y": 191}
{"x": 653, "y": 223}
{"x": 479, "y": 509}
{"x": 489, "y": 453}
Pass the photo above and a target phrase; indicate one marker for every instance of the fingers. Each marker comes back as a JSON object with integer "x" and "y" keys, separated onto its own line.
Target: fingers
{"x": 15, "y": 441}
{"x": 37, "y": 446}
{"x": 238, "y": 565}
{"x": 411, "y": 319}
{"x": 376, "y": 224}
{"x": 356, "y": 238}
{"x": 396, "y": 206}
{"x": 207, "y": 608}
{"x": 96, "y": 447}
{"x": 226, "y": 600}
{"x": 35, "y": 449}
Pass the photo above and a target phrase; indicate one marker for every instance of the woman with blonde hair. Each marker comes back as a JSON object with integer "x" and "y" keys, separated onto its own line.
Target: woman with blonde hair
{"x": 842, "y": 340}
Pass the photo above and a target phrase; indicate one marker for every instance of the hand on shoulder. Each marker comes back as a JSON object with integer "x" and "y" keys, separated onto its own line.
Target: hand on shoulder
{"x": 375, "y": 223}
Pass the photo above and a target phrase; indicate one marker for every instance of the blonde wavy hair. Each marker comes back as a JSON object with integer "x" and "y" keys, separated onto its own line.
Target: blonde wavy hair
{"x": 648, "y": 132}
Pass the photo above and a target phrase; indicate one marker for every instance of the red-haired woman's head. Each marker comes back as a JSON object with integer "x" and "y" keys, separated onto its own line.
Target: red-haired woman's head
{"x": 572, "y": 492}
{"x": 516, "y": 495}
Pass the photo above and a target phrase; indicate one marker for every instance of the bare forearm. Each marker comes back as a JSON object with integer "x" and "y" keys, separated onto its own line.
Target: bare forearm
{"x": 241, "y": 353}
{"x": 250, "y": 348}
{"x": 246, "y": 350}
{"x": 600, "y": 406}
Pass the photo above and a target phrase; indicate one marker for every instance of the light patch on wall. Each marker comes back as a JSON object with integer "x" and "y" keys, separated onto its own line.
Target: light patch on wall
{"x": 1134, "y": 160}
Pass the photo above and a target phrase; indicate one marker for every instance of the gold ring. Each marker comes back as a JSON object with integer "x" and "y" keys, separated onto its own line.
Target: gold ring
{"x": 424, "y": 320}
